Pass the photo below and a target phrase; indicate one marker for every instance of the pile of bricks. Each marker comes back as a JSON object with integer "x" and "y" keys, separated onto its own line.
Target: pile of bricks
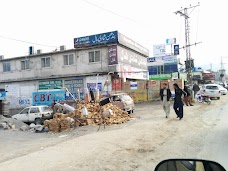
{"x": 108, "y": 114}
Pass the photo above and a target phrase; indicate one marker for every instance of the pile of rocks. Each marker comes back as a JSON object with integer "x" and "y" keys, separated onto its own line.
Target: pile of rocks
{"x": 10, "y": 123}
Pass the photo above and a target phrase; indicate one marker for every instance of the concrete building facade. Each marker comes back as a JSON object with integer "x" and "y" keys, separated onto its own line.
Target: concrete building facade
{"x": 88, "y": 65}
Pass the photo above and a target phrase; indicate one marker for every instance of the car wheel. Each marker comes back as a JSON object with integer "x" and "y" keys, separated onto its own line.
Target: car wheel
{"x": 38, "y": 121}
{"x": 218, "y": 98}
{"x": 129, "y": 112}
{"x": 132, "y": 111}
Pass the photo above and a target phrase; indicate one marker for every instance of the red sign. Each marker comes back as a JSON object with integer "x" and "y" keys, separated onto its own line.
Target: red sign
{"x": 116, "y": 84}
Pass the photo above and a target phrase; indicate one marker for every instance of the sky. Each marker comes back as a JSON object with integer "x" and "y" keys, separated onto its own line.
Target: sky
{"x": 56, "y": 22}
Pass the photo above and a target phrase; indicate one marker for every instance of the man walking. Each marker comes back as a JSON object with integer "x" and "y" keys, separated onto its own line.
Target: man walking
{"x": 165, "y": 95}
{"x": 195, "y": 89}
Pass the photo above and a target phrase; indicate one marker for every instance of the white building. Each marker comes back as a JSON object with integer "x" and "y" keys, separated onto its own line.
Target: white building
{"x": 85, "y": 66}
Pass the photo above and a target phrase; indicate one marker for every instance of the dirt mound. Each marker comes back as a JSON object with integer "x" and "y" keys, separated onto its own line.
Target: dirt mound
{"x": 18, "y": 124}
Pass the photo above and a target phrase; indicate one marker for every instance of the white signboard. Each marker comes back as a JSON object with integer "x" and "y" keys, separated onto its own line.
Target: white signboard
{"x": 169, "y": 59}
{"x": 128, "y": 71}
{"x": 13, "y": 89}
{"x": 171, "y": 41}
{"x": 159, "y": 50}
{"x": 129, "y": 57}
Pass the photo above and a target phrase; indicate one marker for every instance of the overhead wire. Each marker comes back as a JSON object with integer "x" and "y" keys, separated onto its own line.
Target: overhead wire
{"x": 112, "y": 12}
{"x": 24, "y": 41}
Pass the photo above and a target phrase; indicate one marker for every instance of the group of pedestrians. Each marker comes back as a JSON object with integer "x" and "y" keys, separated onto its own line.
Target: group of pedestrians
{"x": 166, "y": 94}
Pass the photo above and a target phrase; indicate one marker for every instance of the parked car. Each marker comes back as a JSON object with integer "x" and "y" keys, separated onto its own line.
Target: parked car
{"x": 224, "y": 85}
{"x": 223, "y": 90}
{"x": 123, "y": 101}
{"x": 34, "y": 114}
{"x": 211, "y": 90}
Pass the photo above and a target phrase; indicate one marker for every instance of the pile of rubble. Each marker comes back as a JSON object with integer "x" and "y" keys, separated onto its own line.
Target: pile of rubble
{"x": 12, "y": 124}
{"x": 87, "y": 114}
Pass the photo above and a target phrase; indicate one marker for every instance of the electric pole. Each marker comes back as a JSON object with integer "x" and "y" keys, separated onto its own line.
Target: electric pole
{"x": 222, "y": 70}
{"x": 189, "y": 64}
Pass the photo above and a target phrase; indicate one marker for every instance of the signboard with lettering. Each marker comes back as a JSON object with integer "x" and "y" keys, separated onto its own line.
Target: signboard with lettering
{"x": 169, "y": 59}
{"x": 50, "y": 84}
{"x": 124, "y": 40}
{"x": 133, "y": 85}
{"x": 112, "y": 55}
{"x": 128, "y": 71}
{"x": 116, "y": 84}
{"x": 47, "y": 97}
{"x": 171, "y": 41}
{"x": 126, "y": 56}
{"x": 93, "y": 86}
{"x": 159, "y": 50}
{"x": 74, "y": 84}
{"x": 160, "y": 77}
{"x": 69, "y": 97}
{"x": 109, "y": 37}
{"x": 2, "y": 94}
{"x": 155, "y": 59}
{"x": 97, "y": 39}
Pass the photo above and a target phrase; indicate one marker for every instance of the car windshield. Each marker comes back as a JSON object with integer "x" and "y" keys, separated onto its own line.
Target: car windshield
{"x": 25, "y": 111}
{"x": 126, "y": 97}
{"x": 221, "y": 87}
{"x": 45, "y": 108}
{"x": 212, "y": 87}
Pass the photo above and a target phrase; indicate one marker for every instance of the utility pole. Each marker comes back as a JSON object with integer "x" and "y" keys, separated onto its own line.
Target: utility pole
{"x": 222, "y": 69}
{"x": 189, "y": 65}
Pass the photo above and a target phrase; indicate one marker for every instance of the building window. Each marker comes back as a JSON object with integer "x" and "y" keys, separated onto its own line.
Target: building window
{"x": 6, "y": 67}
{"x": 161, "y": 69}
{"x": 45, "y": 62}
{"x": 68, "y": 59}
{"x": 25, "y": 64}
{"x": 170, "y": 68}
{"x": 95, "y": 56}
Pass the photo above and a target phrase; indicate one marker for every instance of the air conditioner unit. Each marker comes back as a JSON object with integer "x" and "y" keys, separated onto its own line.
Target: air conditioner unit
{"x": 62, "y": 48}
{"x": 1, "y": 57}
{"x": 39, "y": 51}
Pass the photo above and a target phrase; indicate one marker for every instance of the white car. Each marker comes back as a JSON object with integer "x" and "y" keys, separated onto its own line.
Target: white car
{"x": 211, "y": 90}
{"x": 34, "y": 114}
{"x": 222, "y": 90}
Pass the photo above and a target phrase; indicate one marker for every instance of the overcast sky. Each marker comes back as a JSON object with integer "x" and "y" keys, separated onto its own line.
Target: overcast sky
{"x": 57, "y": 22}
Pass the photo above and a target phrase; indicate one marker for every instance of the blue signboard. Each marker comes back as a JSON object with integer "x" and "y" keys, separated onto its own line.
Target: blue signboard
{"x": 196, "y": 77}
{"x": 47, "y": 97}
{"x": 2, "y": 95}
{"x": 74, "y": 84}
{"x": 197, "y": 69}
{"x": 151, "y": 59}
{"x": 93, "y": 86}
{"x": 69, "y": 97}
{"x": 176, "y": 49}
{"x": 104, "y": 38}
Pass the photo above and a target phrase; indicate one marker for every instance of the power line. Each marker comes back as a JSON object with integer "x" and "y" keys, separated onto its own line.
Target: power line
{"x": 23, "y": 41}
{"x": 105, "y": 9}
